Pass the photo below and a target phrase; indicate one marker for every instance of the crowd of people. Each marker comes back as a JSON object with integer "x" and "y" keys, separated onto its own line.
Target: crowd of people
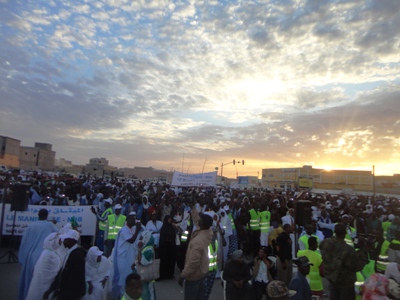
{"x": 339, "y": 247}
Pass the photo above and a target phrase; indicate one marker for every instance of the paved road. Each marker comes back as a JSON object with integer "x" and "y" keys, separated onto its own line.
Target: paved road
{"x": 165, "y": 290}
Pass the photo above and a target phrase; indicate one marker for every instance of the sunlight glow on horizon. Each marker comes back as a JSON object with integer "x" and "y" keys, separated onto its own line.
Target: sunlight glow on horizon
{"x": 141, "y": 82}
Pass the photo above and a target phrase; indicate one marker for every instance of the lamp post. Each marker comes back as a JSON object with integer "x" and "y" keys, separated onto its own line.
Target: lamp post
{"x": 232, "y": 162}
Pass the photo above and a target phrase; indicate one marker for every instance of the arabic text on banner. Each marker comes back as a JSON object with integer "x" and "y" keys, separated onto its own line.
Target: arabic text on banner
{"x": 200, "y": 179}
{"x": 62, "y": 214}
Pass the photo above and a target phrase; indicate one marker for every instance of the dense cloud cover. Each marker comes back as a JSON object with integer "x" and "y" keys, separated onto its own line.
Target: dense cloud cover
{"x": 277, "y": 83}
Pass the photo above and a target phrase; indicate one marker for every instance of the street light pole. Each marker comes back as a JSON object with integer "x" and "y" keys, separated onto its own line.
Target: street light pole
{"x": 373, "y": 182}
{"x": 232, "y": 162}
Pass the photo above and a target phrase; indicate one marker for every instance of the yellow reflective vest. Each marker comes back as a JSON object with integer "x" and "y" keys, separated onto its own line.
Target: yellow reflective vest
{"x": 212, "y": 256}
{"x": 358, "y": 284}
{"x": 102, "y": 225}
{"x": 254, "y": 219}
{"x": 364, "y": 274}
{"x": 114, "y": 226}
{"x": 265, "y": 221}
{"x": 305, "y": 238}
{"x": 314, "y": 277}
{"x": 385, "y": 226}
{"x": 348, "y": 239}
{"x": 185, "y": 234}
{"x": 382, "y": 262}
{"x": 369, "y": 268}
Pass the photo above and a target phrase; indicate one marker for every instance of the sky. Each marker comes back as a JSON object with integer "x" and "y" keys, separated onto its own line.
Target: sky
{"x": 191, "y": 85}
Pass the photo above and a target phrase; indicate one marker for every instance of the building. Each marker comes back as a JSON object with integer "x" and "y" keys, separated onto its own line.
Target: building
{"x": 99, "y": 167}
{"x": 62, "y": 163}
{"x": 308, "y": 177}
{"x": 388, "y": 184}
{"x": 39, "y": 157}
{"x": 248, "y": 181}
{"x": 9, "y": 152}
{"x": 46, "y": 156}
{"x": 143, "y": 173}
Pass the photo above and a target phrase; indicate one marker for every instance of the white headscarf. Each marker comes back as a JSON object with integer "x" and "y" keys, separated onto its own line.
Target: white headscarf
{"x": 65, "y": 228}
{"x": 52, "y": 241}
{"x": 147, "y": 204}
{"x": 97, "y": 271}
{"x": 92, "y": 255}
{"x": 46, "y": 268}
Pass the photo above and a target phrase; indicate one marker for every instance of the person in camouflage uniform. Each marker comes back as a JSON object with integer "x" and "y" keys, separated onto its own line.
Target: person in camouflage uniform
{"x": 341, "y": 262}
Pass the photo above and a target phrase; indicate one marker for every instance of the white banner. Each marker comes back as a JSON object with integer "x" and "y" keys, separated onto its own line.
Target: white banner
{"x": 62, "y": 214}
{"x": 201, "y": 179}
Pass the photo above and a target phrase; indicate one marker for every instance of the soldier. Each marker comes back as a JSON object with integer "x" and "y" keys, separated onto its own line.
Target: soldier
{"x": 341, "y": 262}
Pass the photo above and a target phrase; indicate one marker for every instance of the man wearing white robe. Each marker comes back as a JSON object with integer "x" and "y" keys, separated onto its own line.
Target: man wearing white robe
{"x": 31, "y": 248}
{"x": 227, "y": 226}
{"x": 289, "y": 219}
{"x": 125, "y": 252}
{"x": 46, "y": 268}
{"x": 155, "y": 226}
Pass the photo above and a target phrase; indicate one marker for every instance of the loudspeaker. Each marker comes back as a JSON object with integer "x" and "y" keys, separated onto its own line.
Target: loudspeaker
{"x": 20, "y": 198}
{"x": 303, "y": 212}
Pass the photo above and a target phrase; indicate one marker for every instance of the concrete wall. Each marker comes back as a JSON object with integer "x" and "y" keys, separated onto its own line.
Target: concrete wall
{"x": 62, "y": 162}
{"x": 147, "y": 173}
{"x": 320, "y": 178}
{"x": 33, "y": 158}
{"x": 46, "y": 159}
{"x": 98, "y": 167}
{"x": 28, "y": 158}
{"x": 9, "y": 152}
{"x": 44, "y": 146}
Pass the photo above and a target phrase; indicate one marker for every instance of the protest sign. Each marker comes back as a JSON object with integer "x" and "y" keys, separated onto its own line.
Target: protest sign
{"x": 200, "y": 179}
{"x": 61, "y": 214}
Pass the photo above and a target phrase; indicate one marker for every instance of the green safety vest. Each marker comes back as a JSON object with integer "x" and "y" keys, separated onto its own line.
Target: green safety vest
{"x": 102, "y": 225}
{"x": 386, "y": 225}
{"x": 384, "y": 249}
{"x": 265, "y": 221}
{"x": 364, "y": 274}
{"x": 212, "y": 257}
{"x": 232, "y": 221}
{"x": 304, "y": 239}
{"x": 348, "y": 239}
{"x": 254, "y": 220}
{"x": 314, "y": 276}
{"x": 382, "y": 262}
{"x": 381, "y": 266}
{"x": 358, "y": 284}
{"x": 185, "y": 234}
{"x": 114, "y": 227}
{"x": 368, "y": 269}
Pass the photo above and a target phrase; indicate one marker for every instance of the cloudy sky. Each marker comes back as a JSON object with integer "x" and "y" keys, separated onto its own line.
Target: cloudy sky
{"x": 187, "y": 85}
